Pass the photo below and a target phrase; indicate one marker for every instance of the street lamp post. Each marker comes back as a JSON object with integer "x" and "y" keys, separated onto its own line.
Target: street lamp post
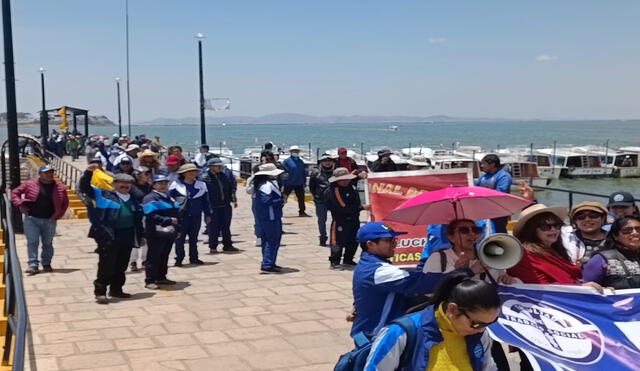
{"x": 119, "y": 111}
{"x": 44, "y": 116}
{"x": 203, "y": 133}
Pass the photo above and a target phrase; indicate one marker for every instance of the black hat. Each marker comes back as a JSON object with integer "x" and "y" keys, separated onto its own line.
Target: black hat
{"x": 621, "y": 198}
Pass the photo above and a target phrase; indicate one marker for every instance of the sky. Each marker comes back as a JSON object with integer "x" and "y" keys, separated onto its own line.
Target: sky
{"x": 549, "y": 59}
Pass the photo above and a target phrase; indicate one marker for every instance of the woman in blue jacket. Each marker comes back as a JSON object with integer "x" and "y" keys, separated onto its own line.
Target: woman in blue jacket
{"x": 193, "y": 193}
{"x": 267, "y": 210}
{"x": 450, "y": 333}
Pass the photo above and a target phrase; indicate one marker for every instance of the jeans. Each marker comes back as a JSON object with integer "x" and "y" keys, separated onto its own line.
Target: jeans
{"x": 299, "y": 191}
{"x": 189, "y": 227}
{"x": 220, "y": 225}
{"x": 36, "y": 229}
{"x": 321, "y": 213}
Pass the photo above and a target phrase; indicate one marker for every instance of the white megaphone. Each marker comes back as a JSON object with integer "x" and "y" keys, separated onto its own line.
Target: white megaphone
{"x": 500, "y": 251}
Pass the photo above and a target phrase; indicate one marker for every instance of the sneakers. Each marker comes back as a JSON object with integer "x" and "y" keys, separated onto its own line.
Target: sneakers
{"x": 336, "y": 267}
{"x": 270, "y": 270}
{"x": 196, "y": 261}
{"x": 178, "y": 263}
{"x": 230, "y": 248}
{"x": 304, "y": 215}
{"x": 349, "y": 262}
{"x": 47, "y": 268}
{"x": 165, "y": 282}
{"x": 32, "y": 271}
{"x": 119, "y": 294}
{"x": 134, "y": 267}
{"x": 151, "y": 286}
{"x": 102, "y": 299}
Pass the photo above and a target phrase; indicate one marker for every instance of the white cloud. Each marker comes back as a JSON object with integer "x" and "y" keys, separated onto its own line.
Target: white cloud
{"x": 546, "y": 58}
{"x": 437, "y": 40}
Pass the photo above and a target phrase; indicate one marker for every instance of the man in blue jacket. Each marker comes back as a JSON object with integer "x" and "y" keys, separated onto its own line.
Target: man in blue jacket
{"x": 495, "y": 178}
{"x": 296, "y": 178}
{"x": 382, "y": 291}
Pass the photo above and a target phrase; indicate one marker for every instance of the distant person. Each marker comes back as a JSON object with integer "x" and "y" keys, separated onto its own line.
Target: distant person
{"x": 318, "y": 184}
{"x": 384, "y": 162}
{"x": 117, "y": 228}
{"x": 73, "y": 147}
{"x": 221, "y": 196}
{"x": 267, "y": 210}
{"x": 344, "y": 203}
{"x": 418, "y": 162}
{"x": 170, "y": 168}
{"x": 177, "y": 152}
{"x": 125, "y": 166}
{"x": 622, "y": 204}
{"x": 43, "y": 200}
{"x": 132, "y": 153}
{"x": 141, "y": 188}
{"x": 495, "y": 178}
{"x": 201, "y": 158}
{"x": 295, "y": 179}
{"x": 345, "y": 161}
{"x": 149, "y": 159}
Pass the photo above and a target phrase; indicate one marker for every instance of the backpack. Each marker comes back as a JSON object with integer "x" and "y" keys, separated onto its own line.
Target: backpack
{"x": 356, "y": 359}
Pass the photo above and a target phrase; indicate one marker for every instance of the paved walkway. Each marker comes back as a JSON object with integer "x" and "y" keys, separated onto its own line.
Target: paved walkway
{"x": 221, "y": 316}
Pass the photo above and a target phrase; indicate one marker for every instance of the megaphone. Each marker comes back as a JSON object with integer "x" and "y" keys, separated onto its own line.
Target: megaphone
{"x": 500, "y": 251}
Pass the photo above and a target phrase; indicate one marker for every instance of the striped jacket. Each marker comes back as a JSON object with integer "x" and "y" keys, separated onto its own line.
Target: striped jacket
{"x": 158, "y": 209}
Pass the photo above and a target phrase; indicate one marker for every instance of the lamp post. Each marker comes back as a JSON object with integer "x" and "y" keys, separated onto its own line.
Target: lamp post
{"x": 44, "y": 117}
{"x": 119, "y": 111}
{"x": 203, "y": 133}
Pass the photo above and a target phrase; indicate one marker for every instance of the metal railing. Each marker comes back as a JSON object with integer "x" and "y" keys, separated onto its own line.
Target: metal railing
{"x": 15, "y": 305}
{"x": 68, "y": 173}
{"x": 570, "y": 193}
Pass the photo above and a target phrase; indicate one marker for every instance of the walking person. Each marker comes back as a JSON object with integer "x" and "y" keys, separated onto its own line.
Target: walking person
{"x": 141, "y": 188}
{"x": 162, "y": 217}
{"x": 192, "y": 193}
{"x": 495, "y": 178}
{"x": 117, "y": 228}
{"x": 221, "y": 196}
{"x": 296, "y": 179}
{"x": 268, "y": 204}
{"x": 344, "y": 203}
{"x": 318, "y": 184}
{"x": 43, "y": 200}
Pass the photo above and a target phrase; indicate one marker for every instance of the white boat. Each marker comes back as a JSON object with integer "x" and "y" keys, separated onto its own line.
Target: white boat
{"x": 578, "y": 162}
{"x": 623, "y": 162}
{"x": 392, "y": 128}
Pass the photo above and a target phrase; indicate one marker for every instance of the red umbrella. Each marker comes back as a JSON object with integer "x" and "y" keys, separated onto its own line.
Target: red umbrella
{"x": 447, "y": 204}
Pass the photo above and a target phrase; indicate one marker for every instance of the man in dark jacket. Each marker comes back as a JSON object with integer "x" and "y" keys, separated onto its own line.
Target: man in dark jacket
{"x": 318, "y": 184}
{"x": 141, "y": 188}
{"x": 295, "y": 179}
{"x": 221, "y": 196}
{"x": 43, "y": 201}
{"x": 344, "y": 203}
{"x": 384, "y": 162}
{"x": 116, "y": 228}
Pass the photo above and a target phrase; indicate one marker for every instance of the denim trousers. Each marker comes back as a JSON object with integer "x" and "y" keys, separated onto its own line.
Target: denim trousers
{"x": 321, "y": 213}
{"x": 36, "y": 229}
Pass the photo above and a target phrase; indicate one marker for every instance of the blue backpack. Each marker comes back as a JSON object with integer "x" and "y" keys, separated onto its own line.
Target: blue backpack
{"x": 356, "y": 359}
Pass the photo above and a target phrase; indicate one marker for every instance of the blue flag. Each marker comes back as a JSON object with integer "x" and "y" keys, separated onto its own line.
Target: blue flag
{"x": 570, "y": 327}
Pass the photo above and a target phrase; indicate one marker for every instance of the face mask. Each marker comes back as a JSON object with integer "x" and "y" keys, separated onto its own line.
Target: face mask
{"x": 295, "y": 155}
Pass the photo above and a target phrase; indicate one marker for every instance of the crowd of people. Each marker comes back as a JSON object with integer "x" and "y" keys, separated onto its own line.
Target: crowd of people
{"x": 142, "y": 205}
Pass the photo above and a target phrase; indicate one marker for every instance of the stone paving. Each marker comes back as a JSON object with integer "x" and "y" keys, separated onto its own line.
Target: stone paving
{"x": 224, "y": 315}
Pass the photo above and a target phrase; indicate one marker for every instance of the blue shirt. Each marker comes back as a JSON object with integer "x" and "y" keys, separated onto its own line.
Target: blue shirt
{"x": 500, "y": 181}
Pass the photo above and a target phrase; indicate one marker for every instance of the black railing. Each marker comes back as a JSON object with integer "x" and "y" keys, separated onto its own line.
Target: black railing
{"x": 69, "y": 174}
{"x": 15, "y": 305}
{"x": 570, "y": 193}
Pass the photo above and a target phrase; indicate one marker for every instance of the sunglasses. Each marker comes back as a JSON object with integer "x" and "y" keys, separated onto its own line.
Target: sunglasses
{"x": 629, "y": 230}
{"x": 584, "y": 216}
{"x": 467, "y": 230}
{"x": 477, "y": 324}
{"x": 548, "y": 227}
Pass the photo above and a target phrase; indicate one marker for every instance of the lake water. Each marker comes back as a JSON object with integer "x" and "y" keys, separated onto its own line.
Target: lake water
{"x": 485, "y": 134}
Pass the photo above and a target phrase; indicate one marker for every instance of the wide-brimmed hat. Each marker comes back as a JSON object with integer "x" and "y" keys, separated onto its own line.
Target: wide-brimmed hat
{"x": 587, "y": 205}
{"x": 418, "y": 161}
{"x": 186, "y": 168}
{"x": 269, "y": 169}
{"x": 132, "y": 147}
{"x": 531, "y": 211}
{"x": 341, "y": 173}
{"x": 294, "y": 148}
{"x": 147, "y": 153}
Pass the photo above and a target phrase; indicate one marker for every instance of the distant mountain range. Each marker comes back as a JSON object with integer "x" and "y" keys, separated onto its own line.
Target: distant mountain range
{"x": 26, "y": 118}
{"x": 295, "y": 118}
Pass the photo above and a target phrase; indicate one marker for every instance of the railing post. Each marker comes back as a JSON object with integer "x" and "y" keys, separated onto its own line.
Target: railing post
{"x": 570, "y": 200}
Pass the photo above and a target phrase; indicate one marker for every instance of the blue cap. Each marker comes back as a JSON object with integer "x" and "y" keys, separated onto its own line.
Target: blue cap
{"x": 214, "y": 162}
{"x": 375, "y": 230}
{"x": 160, "y": 178}
{"x": 45, "y": 168}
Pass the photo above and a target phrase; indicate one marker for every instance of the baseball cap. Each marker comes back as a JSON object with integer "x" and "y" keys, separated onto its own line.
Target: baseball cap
{"x": 342, "y": 150}
{"x": 160, "y": 178}
{"x": 172, "y": 160}
{"x": 326, "y": 156}
{"x": 621, "y": 198}
{"x": 214, "y": 161}
{"x": 45, "y": 168}
{"x": 126, "y": 159}
{"x": 375, "y": 230}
